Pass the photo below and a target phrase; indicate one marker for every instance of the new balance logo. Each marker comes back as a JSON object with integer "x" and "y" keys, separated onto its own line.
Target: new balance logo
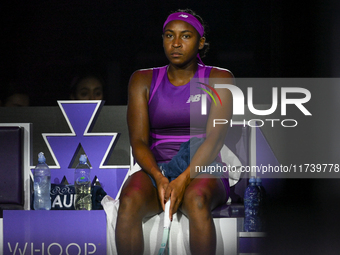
{"x": 194, "y": 98}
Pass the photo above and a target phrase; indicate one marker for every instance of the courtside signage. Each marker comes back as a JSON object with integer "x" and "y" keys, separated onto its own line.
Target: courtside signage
{"x": 54, "y": 232}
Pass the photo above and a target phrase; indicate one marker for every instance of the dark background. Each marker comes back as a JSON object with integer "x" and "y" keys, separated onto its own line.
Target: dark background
{"x": 45, "y": 43}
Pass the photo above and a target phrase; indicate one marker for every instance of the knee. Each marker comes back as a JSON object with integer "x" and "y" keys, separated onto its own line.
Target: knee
{"x": 131, "y": 203}
{"x": 196, "y": 203}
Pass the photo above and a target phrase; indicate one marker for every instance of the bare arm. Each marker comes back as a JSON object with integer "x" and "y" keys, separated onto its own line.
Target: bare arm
{"x": 215, "y": 136}
{"x": 138, "y": 124}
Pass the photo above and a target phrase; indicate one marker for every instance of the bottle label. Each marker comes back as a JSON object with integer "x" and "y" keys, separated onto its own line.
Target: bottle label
{"x": 82, "y": 179}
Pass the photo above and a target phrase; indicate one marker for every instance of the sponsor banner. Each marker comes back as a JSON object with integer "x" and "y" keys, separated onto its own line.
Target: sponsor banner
{"x": 54, "y": 232}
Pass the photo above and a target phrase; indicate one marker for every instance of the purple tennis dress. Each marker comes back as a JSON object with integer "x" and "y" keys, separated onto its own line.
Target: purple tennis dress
{"x": 169, "y": 114}
{"x": 174, "y": 116}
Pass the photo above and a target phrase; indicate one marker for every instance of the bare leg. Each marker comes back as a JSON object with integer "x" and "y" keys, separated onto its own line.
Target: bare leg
{"x": 138, "y": 199}
{"x": 202, "y": 196}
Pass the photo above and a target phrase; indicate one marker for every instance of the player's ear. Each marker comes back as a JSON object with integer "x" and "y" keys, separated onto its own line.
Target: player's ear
{"x": 201, "y": 43}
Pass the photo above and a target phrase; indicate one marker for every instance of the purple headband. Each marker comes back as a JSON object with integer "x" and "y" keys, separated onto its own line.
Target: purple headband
{"x": 187, "y": 18}
{"x": 190, "y": 19}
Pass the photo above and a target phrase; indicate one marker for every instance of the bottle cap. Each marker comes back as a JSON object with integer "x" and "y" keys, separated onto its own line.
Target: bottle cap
{"x": 82, "y": 159}
{"x": 252, "y": 179}
{"x": 41, "y": 157}
{"x": 258, "y": 180}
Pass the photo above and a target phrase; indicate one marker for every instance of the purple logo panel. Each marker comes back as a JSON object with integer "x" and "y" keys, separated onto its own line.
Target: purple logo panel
{"x": 81, "y": 117}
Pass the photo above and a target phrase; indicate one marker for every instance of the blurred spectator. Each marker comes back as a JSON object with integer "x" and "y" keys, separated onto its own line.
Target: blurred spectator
{"x": 16, "y": 96}
{"x": 87, "y": 87}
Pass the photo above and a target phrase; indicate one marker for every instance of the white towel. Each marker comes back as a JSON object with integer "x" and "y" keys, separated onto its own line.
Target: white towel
{"x": 110, "y": 206}
{"x": 230, "y": 159}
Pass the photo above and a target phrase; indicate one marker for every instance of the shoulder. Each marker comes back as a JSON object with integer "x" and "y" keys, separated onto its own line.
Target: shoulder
{"x": 139, "y": 84}
{"x": 222, "y": 76}
{"x": 142, "y": 77}
{"x": 217, "y": 72}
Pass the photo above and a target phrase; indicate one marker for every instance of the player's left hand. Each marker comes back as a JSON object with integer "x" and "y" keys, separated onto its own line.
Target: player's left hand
{"x": 176, "y": 190}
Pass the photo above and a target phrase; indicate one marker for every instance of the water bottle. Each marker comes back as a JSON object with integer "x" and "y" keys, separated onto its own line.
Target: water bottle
{"x": 42, "y": 184}
{"x": 252, "y": 221}
{"x": 262, "y": 190}
{"x": 82, "y": 185}
{"x": 262, "y": 201}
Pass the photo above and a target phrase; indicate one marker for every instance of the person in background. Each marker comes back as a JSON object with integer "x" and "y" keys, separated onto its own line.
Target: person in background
{"x": 16, "y": 96}
{"x": 87, "y": 87}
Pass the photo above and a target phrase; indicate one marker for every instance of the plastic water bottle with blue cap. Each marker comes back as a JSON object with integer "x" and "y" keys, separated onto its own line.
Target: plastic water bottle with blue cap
{"x": 82, "y": 185}
{"x": 42, "y": 184}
